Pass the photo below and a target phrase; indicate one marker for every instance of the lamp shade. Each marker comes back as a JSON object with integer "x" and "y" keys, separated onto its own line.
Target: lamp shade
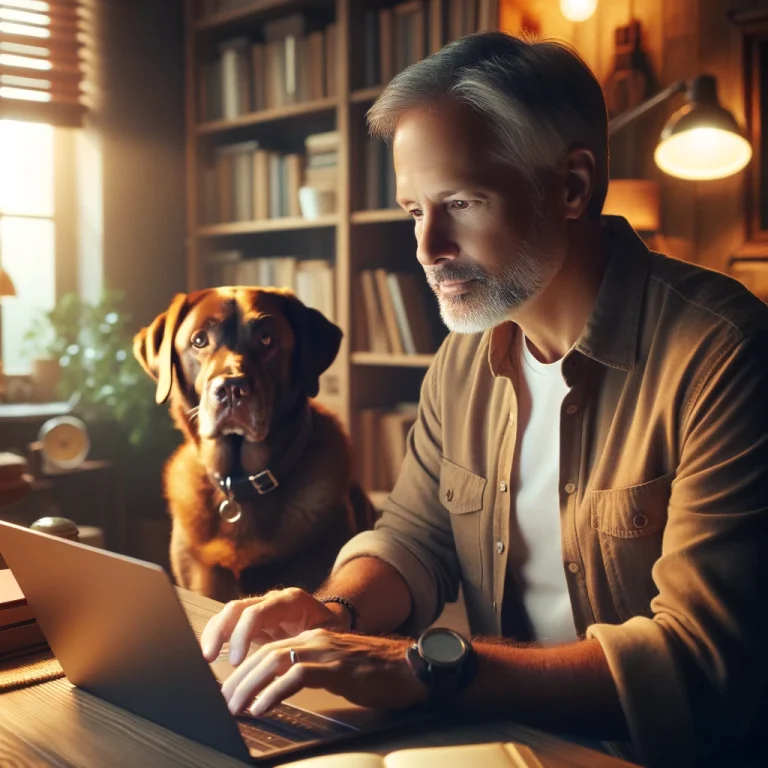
{"x": 7, "y": 288}
{"x": 702, "y": 140}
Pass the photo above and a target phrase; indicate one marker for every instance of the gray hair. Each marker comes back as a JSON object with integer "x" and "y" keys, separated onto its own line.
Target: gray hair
{"x": 539, "y": 97}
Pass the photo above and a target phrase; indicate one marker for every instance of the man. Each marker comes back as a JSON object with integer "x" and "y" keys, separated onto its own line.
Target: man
{"x": 588, "y": 458}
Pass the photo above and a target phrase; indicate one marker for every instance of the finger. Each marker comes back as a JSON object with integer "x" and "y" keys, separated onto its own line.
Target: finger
{"x": 276, "y": 662}
{"x": 267, "y": 617}
{"x": 219, "y": 628}
{"x": 301, "y": 675}
{"x": 251, "y": 663}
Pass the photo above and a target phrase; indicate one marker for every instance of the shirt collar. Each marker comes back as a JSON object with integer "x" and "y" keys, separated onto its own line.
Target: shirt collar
{"x": 611, "y": 333}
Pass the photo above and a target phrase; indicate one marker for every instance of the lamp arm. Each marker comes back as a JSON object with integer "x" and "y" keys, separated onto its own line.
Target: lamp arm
{"x": 627, "y": 117}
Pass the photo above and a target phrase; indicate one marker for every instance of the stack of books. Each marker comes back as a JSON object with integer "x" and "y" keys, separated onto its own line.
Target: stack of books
{"x": 19, "y": 631}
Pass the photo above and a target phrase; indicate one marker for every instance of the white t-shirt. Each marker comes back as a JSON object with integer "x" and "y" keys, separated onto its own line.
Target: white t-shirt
{"x": 536, "y": 554}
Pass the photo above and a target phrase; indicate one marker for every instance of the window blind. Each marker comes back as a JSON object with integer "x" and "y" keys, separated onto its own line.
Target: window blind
{"x": 41, "y": 72}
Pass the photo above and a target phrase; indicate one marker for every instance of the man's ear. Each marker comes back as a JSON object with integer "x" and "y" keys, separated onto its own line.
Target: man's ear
{"x": 153, "y": 346}
{"x": 317, "y": 343}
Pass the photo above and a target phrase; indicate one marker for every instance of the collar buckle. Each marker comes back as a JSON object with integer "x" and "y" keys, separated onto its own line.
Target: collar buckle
{"x": 264, "y": 482}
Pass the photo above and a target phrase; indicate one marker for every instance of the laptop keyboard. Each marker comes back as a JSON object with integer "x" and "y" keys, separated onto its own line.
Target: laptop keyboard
{"x": 285, "y": 726}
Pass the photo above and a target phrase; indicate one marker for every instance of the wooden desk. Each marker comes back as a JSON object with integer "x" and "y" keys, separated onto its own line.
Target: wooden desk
{"x": 56, "y": 724}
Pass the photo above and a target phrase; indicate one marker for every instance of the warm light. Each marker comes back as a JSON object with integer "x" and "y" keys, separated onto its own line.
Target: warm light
{"x": 23, "y": 29}
{"x": 22, "y": 49}
{"x": 6, "y": 92}
{"x": 9, "y": 60}
{"x": 637, "y": 200}
{"x": 578, "y": 10}
{"x": 29, "y": 5}
{"x": 24, "y": 17}
{"x": 703, "y": 153}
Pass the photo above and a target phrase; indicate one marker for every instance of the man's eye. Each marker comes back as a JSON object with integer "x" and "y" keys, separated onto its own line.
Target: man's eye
{"x": 460, "y": 205}
{"x": 199, "y": 339}
{"x": 416, "y": 213}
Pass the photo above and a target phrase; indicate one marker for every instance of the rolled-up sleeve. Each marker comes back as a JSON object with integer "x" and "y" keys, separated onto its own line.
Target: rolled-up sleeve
{"x": 413, "y": 533}
{"x": 690, "y": 679}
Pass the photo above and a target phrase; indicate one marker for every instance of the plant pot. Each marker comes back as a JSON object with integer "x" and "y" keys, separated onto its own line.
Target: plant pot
{"x": 46, "y": 374}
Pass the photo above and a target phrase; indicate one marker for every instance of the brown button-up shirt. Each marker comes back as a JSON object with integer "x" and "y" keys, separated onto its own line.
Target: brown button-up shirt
{"x": 663, "y": 495}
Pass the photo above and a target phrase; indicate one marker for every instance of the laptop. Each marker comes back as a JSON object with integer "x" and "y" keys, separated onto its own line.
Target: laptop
{"x": 119, "y": 631}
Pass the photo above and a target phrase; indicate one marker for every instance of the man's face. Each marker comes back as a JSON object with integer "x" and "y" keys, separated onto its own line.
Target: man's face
{"x": 486, "y": 243}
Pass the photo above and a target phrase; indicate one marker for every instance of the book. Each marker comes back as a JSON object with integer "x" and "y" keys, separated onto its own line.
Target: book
{"x": 490, "y": 755}
{"x": 19, "y": 631}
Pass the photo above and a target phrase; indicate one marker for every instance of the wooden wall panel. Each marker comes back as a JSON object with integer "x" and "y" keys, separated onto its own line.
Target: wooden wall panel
{"x": 703, "y": 222}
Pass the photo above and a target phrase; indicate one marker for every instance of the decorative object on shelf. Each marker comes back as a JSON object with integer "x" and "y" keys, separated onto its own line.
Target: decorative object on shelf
{"x": 317, "y": 202}
{"x": 578, "y": 10}
{"x": 64, "y": 443}
{"x": 62, "y": 527}
{"x": 702, "y": 140}
{"x": 93, "y": 346}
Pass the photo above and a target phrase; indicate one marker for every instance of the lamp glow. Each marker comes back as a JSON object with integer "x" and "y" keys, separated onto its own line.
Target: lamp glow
{"x": 578, "y": 10}
{"x": 703, "y": 153}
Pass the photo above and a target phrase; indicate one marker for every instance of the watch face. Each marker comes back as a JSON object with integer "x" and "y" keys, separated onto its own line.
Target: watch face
{"x": 442, "y": 648}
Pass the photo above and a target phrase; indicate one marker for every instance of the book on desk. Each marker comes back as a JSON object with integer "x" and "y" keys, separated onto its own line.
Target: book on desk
{"x": 491, "y": 755}
{"x": 19, "y": 630}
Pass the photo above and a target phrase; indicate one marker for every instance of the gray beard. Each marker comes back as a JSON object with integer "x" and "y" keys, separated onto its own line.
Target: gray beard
{"x": 494, "y": 296}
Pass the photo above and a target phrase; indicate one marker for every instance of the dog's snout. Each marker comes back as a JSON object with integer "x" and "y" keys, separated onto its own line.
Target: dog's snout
{"x": 229, "y": 389}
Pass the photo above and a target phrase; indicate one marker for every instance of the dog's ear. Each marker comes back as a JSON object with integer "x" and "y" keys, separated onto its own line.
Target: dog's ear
{"x": 317, "y": 343}
{"x": 153, "y": 346}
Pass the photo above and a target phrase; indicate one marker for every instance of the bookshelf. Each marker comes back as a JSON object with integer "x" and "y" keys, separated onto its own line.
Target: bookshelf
{"x": 278, "y": 90}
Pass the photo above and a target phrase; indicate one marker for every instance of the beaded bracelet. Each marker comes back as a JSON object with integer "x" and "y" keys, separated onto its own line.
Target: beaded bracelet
{"x": 351, "y": 608}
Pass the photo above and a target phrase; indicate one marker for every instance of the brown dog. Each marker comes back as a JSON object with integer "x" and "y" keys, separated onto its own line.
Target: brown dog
{"x": 261, "y": 492}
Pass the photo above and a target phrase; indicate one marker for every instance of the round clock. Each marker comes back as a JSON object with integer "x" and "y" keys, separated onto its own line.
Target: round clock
{"x": 64, "y": 442}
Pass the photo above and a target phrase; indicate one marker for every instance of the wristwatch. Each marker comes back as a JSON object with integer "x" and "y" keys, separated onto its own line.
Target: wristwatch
{"x": 444, "y": 661}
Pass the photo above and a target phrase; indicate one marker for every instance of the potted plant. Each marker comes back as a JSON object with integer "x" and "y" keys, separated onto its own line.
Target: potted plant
{"x": 92, "y": 346}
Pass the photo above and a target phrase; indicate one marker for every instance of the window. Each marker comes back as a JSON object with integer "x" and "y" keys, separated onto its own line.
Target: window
{"x": 27, "y": 232}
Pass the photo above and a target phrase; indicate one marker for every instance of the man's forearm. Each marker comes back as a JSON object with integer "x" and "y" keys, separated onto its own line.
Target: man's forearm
{"x": 376, "y": 590}
{"x": 567, "y": 689}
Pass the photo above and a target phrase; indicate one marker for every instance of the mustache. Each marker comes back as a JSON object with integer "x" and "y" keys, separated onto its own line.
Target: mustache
{"x": 455, "y": 273}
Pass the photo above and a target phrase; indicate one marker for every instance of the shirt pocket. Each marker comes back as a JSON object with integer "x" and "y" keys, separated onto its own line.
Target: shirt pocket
{"x": 630, "y": 525}
{"x": 461, "y": 493}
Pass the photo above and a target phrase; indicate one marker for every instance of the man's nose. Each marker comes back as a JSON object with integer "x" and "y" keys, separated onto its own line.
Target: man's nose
{"x": 229, "y": 390}
{"x": 435, "y": 243}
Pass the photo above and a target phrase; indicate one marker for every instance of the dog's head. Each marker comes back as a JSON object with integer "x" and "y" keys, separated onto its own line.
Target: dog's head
{"x": 234, "y": 361}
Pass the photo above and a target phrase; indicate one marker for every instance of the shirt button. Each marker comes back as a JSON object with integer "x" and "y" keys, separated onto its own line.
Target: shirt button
{"x": 500, "y": 547}
{"x": 571, "y": 409}
{"x": 573, "y": 567}
{"x": 570, "y": 487}
{"x": 449, "y": 494}
{"x": 494, "y": 606}
{"x": 503, "y": 486}
{"x": 640, "y": 520}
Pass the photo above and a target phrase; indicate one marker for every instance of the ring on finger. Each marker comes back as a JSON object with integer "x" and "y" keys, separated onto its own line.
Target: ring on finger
{"x": 293, "y": 656}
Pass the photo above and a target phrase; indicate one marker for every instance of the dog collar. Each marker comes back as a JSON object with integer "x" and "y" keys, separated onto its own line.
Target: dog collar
{"x": 245, "y": 487}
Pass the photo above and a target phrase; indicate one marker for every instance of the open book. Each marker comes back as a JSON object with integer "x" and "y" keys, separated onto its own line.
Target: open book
{"x": 495, "y": 755}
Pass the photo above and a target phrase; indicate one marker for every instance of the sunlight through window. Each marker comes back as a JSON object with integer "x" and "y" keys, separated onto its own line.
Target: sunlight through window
{"x": 27, "y": 245}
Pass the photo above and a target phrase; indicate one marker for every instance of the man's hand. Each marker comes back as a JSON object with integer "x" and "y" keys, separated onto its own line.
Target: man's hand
{"x": 370, "y": 671}
{"x": 276, "y": 615}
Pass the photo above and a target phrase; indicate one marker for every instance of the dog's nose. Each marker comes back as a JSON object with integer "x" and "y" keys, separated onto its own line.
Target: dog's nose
{"x": 229, "y": 389}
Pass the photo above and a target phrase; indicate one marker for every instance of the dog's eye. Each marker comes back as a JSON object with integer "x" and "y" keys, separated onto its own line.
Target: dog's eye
{"x": 266, "y": 340}
{"x": 199, "y": 339}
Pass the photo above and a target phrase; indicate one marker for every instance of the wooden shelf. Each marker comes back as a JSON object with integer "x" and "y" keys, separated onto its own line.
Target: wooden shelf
{"x": 302, "y": 109}
{"x": 392, "y": 361}
{"x": 366, "y": 94}
{"x": 377, "y": 217}
{"x": 252, "y": 9}
{"x": 286, "y": 223}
